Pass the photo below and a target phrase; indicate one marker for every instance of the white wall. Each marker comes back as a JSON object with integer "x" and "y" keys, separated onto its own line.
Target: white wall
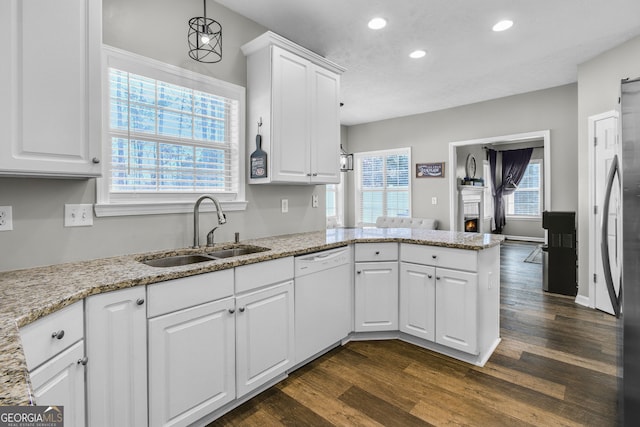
{"x": 598, "y": 92}
{"x": 429, "y": 135}
{"x": 157, "y": 29}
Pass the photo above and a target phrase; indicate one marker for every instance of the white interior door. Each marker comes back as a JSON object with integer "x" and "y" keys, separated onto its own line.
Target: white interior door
{"x": 605, "y": 131}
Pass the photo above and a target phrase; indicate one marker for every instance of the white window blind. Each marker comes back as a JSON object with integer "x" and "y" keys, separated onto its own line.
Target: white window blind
{"x": 526, "y": 201}
{"x": 166, "y": 137}
{"x": 171, "y": 134}
{"x": 383, "y": 185}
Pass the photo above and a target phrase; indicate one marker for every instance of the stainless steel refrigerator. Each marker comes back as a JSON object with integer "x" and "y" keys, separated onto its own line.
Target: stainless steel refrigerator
{"x": 625, "y": 296}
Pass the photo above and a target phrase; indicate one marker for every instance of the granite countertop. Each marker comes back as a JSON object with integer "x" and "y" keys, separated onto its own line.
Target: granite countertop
{"x": 29, "y": 294}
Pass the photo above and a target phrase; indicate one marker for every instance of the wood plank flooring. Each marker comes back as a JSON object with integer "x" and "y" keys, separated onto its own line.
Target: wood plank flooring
{"x": 556, "y": 366}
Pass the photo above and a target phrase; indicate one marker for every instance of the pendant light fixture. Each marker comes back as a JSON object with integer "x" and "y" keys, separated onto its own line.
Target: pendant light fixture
{"x": 205, "y": 38}
{"x": 346, "y": 160}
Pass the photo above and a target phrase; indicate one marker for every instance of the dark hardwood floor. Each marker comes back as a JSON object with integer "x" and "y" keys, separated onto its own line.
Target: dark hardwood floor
{"x": 555, "y": 366}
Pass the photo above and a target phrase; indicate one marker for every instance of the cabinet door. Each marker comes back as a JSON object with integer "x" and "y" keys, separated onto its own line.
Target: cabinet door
{"x": 191, "y": 363}
{"x": 50, "y": 87}
{"x": 418, "y": 300}
{"x": 325, "y": 126}
{"x": 456, "y": 314}
{"x": 376, "y": 294}
{"x": 116, "y": 337}
{"x": 264, "y": 336}
{"x": 290, "y": 117}
{"x": 60, "y": 382}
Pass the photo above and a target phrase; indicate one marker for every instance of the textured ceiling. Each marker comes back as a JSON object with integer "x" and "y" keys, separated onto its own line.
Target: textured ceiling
{"x": 466, "y": 62}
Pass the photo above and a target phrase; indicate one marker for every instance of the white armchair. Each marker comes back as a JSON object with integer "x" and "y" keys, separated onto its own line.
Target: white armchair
{"x": 404, "y": 222}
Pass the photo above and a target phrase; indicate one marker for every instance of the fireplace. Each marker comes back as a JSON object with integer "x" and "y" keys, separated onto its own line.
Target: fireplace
{"x": 471, "y": 225}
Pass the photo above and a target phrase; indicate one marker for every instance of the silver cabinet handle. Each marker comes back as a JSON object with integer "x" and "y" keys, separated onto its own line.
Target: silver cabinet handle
{"x": 95, "y": 160}
{"x": 140, "y": 301}
{"x": 241, "y": 309}
{"x": 232, "y": 310}
{"x": 58, "y": 334}
{"x": 83, "y": 361}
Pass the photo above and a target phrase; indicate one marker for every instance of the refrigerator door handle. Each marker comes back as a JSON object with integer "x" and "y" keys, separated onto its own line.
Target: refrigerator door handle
{"x": 604, "y": 242}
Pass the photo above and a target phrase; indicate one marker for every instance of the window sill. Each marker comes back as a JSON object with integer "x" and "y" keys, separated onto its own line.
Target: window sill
{"x": 149, "y": 208}
{"x": 523, "y": 218}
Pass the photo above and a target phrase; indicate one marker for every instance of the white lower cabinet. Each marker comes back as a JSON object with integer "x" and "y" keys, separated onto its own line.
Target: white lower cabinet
{"x": 60, "y": 382}
{"x": 457, "y": 303}
{"x": 376, "y": 296}
{"x": 418, "y": 300}
{"x": 264, "y": 335}
{"x": 191, "y": 363}
{"x": 116, "y": 339}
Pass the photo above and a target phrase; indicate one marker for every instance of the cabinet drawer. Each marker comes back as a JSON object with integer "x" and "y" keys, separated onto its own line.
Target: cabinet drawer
{"x": 38, "y": 339}
{"x": 457, "y": 259}
{"x": 187, "y": 292}
{"x": 265, "y": 273}
{"x": 376, "y": 252}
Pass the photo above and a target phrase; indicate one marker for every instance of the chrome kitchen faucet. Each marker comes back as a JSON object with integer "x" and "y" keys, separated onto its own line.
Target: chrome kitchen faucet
{"x": 222, "y": 218}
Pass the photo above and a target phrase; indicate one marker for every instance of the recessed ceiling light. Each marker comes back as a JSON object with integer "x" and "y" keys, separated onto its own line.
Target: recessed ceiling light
{"x": 377, "y": 23}
{"x": 503, "y": 25}
{"x": 417, "y": 54}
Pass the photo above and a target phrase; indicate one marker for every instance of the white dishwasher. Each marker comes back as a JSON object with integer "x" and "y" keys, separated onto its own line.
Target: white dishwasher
{"x": 323, "y": 300}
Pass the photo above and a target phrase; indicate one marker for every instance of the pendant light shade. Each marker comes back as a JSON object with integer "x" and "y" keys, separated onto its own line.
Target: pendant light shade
{"x": 205, "y": 38}
{"x": 346, "y": 160}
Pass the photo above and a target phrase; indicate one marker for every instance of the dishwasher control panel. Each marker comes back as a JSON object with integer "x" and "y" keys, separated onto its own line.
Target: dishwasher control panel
{"x": 318, "y": 261}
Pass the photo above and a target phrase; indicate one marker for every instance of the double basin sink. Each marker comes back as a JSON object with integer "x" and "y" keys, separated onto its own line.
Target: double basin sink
{"x": 177, "y": 260}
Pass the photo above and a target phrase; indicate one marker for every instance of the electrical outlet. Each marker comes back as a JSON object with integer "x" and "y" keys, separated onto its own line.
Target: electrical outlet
{"x": 78, "y": 215}
{"x": 314, "y": 201}
{"x": 6, "y": 218}
{"x": 434, "y": 200}
{"x": 284, "y": 203}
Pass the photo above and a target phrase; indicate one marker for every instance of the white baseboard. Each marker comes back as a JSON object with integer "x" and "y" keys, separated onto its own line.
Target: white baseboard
{"x": 582, "y": 300}
{"x": 526, "y": 239}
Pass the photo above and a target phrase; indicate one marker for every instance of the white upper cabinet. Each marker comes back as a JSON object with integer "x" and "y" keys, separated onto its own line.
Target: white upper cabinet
{"x": 50, "y": 88}
{"x": 294, "y": 93}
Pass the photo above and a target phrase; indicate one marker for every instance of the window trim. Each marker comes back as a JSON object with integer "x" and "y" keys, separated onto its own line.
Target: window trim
{"x": 166, "y": 202}
{"x": 540, "y": 196}
{"x": 358, "y": 180}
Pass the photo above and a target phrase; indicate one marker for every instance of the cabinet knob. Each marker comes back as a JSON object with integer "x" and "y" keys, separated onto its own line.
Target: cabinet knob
{"x": 434, "y": 256}
{"x": 140, "y": 301}
{"x": 377, "y": 252}
{"x": 308, "y": 174}
{"x": 429, "y": 276}
{"x": 232, "y": 310}
{"x": 241, "y": 309}
{"x": 83, "y": 361}
{"x": 95, "y": 160}
{"x": 314, "y": 174}
{"x": 359, "y": 272}
{"x": 437, "y": 277}
{"x": 58, "y": 334}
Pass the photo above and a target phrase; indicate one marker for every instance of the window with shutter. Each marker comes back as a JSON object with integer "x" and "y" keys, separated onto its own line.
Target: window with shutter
{"x": 383, "y": 185}
{"x": 170, "y": 136}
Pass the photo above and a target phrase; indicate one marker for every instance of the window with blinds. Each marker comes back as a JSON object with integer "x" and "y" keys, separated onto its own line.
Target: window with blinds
{"x": 166, "y": 137}
{"x": 383, "y": 184}
{"x": 526, "y": 201}
{"x": 171, "y": 134}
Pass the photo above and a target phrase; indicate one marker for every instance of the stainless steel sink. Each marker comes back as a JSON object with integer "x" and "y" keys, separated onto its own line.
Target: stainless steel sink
{"x": 236, "y": 251}
{"x": 176, "y": 260}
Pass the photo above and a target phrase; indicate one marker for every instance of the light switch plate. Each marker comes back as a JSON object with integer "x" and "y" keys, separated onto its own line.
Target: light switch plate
{"x": 284, "y": 204}
{"x": 6, "y": 218}
{"x": 78, "y": 215}
{"x": 434, "y": 200}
